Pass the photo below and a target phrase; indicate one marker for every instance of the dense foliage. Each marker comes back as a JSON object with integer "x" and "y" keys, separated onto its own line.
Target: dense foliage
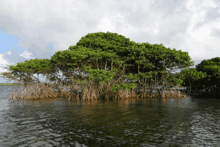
{"x": 212, "y": 68}
{"x": 25, "y": 70}
{"x": 109, "y": 56}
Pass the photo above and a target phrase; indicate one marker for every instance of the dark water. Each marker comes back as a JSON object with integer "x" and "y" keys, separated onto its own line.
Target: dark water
{"x": 143, "y": 123}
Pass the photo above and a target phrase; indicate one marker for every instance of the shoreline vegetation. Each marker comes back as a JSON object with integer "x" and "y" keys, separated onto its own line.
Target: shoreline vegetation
{"x": 42, "y": 91}
{"x": 110, "y": 66}
{"x": 88, "y": 92}
{"x": 9, "y": 84}
{"x": 94, "y": 91}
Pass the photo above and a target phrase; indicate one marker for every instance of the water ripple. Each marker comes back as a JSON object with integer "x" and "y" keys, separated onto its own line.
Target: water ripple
{"x": 147, "y": 123}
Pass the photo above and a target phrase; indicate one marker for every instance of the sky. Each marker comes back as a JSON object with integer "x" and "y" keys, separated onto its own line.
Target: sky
{"x": 39, "y": 28}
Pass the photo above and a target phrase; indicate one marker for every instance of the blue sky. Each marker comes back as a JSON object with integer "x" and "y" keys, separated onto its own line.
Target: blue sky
{"x": 39, "y": 28}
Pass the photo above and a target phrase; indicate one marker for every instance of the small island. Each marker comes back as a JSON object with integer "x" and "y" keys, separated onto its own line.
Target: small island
{"x": 110, "y": 66}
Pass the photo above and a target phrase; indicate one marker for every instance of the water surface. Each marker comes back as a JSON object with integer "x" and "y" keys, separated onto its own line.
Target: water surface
{"x": 133, "y": 122}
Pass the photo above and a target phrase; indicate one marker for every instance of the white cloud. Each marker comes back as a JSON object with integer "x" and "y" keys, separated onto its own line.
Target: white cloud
{"x": 191, "y": 26}
{"x": 26, "y": 54}
{"x": 3, "y": 61}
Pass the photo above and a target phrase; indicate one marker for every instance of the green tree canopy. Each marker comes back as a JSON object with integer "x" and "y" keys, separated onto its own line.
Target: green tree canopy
{"x": 114, "y": 53}
{"x": 139, "y": 57}
{"x": 25, "y": 70}
{"x": 212, "y": 68}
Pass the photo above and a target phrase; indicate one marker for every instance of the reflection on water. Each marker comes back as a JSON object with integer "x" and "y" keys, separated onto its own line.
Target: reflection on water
{"x": 133, "y": 122}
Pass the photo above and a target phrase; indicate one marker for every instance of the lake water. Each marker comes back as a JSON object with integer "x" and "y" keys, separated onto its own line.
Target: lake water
{"x": 119, "y": 123}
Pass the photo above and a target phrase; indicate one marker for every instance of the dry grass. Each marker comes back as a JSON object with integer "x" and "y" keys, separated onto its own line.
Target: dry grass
{"x": 92, "y": 91}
